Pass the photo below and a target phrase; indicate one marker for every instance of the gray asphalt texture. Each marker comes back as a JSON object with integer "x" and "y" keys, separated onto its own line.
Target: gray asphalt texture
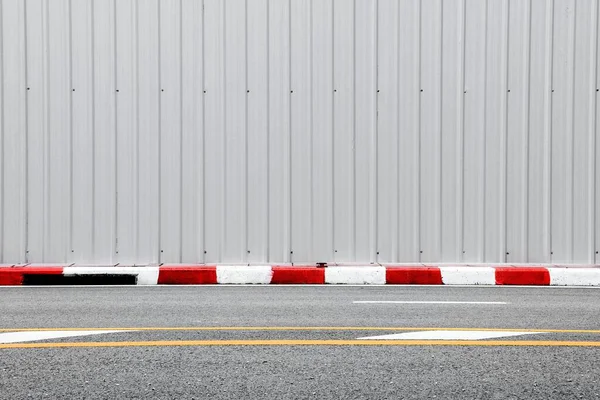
{"x": 298, "y": 372}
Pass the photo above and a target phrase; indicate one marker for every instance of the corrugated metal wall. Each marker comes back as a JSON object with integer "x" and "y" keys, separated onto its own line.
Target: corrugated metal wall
{"x": 144, "y": 131}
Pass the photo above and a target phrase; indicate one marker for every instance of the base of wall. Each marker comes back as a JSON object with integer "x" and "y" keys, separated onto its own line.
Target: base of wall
{"x": 534, "y": 275}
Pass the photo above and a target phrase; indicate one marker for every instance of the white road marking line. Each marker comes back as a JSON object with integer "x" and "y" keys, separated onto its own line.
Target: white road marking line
{"x": 448, "y": 335}
{"x": 17, "y": 337}
{"x": 428, "y": 302}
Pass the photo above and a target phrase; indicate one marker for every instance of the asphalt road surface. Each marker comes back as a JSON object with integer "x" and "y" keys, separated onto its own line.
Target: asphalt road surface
{"x": 299, "y": 342}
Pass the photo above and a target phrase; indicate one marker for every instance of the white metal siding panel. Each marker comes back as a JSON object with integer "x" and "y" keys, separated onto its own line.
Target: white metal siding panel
{"x": 452, "y": 75}
{"x": 82, "y": 91}
{"x": 192, "y": 131}
{"x": 170, "y": 130}
{"x": 36, "y": 129}
{"x": 127, "y": 131}
{"x": 279, "y": 179}
{"x": 58, "y": 145}
{"x": 322, "y": 130}
{"x": 214, "y": 127}
{"x": 495, "y": 130}
{"x": 302, "y": 129}
{"x": 387, "y": 131}
{"x": 14, "y": 128}
{"x": 583, "y": 115}
{"x": 474, "y": 131}
{"x": 409, "y": 139}
{"x": 562, "y": 131}
{"x": 365, "y": 117}
{"x": 431, "y": 129}
{"x": 139, "y": 132}
{"x": 258, "y": 152}
{"x": 148, "y": 127}
{"x": 235, "y": 191}
{"x": 540, "y": 128}
{"x": 104, "y": 97}
{"x": 517, "y": 129}
{"x": 344, "y": 130}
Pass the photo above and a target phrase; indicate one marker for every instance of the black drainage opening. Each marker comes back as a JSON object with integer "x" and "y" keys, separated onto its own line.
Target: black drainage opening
{"x": 91, "y": 279}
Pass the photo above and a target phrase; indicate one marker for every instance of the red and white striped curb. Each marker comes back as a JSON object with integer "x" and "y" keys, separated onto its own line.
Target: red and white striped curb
{"x": 354, "y": 275}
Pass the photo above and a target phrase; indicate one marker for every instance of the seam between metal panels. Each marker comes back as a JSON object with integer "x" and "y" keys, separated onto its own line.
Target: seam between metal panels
{"x": 395, "y": 243}
{"x": 571, "y": 153}
{"x": 439, "y": 237}
{"x": 333, "y": 102}
{"x": 592, "y": 134}
{"x": 311, "y": 247}
{"x": 353, "y": 169}
{"x": 180, "y": 131}
{"x": 223, "y": 216}
{"x": 27, "y": 139}
{"x": 527, "y": 129}
{"x": 267, "y": 245}
{"x": 504, "y": 146}
{"x": 548, "y": 127}
{"x": 461, "y": 133}
{"x": 70, "y": 249}
{"x": 246, "y": 249}
{"x": 93, "y": 84}
{"x": 394, "y": 230}
{"x": 418, "y": 211}
{"x": 374, "y": 140}
{"x": 202, "y": 255}
{"x": 46, "y": 134}
{"x": 136, "y": 153}
{"x": 115, "y": 241}
{"x": 483, "y": 172}
{"x": 159, "y": 159}
{"x": 288, "y": 191}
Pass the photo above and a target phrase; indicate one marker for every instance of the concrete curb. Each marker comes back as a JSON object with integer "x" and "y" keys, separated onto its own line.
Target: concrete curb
{"x": 533, "y": 275}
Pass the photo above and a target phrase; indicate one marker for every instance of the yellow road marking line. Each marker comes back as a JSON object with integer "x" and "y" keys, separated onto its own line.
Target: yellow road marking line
{"x": 165, "y": 343}
{"x": 301, "y": 328}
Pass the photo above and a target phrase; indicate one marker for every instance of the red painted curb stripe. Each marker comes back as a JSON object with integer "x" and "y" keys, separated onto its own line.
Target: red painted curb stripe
{"x": 413, "y": 276}
{"x": 522, "y": 276}
{"x": 292, "y": 275}
{"x": 187, "y": 275}
{"x": 12, "y": 276}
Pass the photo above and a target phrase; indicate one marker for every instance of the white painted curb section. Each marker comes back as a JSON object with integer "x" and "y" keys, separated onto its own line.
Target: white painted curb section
{"x": 574, "y": 276}
{"x": 468, "y": 275}
{"x": 256, "y": 274}
{"x": 355, "y": 275}
{"x": 145, "y": 275}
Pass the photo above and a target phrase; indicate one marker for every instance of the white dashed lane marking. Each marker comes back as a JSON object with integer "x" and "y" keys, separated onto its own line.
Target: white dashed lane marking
{"x": 448, "y": 335}
{"x": 429, "y": 302}
{"x": 17, "y": 337}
